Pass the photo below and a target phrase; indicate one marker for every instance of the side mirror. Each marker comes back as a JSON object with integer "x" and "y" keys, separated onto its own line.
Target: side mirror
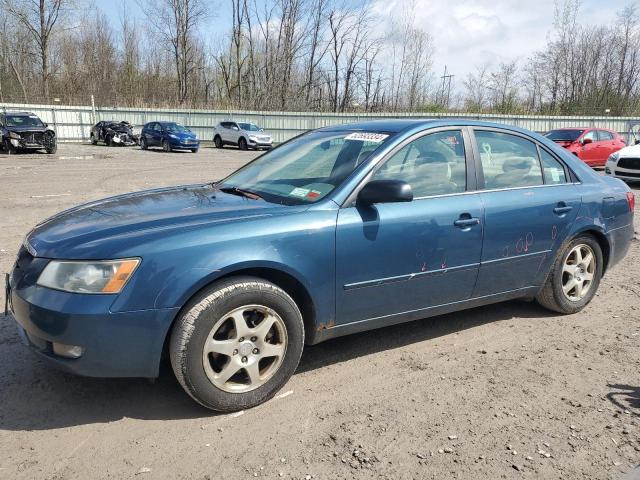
{"x": 587, "y": 141}
{"x": 46, "y": 125}
{"x": 637, "y": 142}
{"x": 385, "y": 191}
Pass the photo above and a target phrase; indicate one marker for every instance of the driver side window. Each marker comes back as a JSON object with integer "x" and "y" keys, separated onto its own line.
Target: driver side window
{"x": 433, "y": 165}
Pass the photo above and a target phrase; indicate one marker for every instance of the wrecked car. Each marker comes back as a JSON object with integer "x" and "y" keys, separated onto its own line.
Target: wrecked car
{"x": 113, "y": 134}
{"x": 24, "y": 131}
{"x": 337, "y": 231}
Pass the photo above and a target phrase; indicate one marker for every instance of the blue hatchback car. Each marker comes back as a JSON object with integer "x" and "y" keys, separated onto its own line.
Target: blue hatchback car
{"x": 340, "y": 230}
{"x": 168, "y": 135}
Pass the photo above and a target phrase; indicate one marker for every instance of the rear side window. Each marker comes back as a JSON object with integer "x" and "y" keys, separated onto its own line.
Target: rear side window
{"x": 508, "y": 161}
{"x": 591, "y": 135}
{"x": 604, "y": 135}
{"x": 553, "y": 170}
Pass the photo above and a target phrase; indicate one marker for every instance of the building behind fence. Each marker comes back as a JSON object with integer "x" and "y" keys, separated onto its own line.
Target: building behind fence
{"x": 73, "y": 123}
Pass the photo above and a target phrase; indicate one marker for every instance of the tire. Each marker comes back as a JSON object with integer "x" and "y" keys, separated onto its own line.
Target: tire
{"x": 217, "y": 141}
{"x": 93, "y": 140}
{"x": 143, "y": 143}
{"x": 194, "y": 150}
{"x": 53, "y": 148}
{"x": 242, "y": 144}
{"x": 552, "y": 295}
{"x": 8, "y": 148}
{"x": 208, "y": 314}
{"x": 107, "y": 140}
{"x": 165, "y": 146}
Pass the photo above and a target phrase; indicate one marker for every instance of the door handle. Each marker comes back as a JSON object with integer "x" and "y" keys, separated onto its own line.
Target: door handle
{"x": 466, "y": 222}
{"x": 561, "y": 209}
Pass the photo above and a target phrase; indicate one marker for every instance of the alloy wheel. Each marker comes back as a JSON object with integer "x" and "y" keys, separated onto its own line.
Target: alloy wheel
{"x": 578, "y": 272}
{"x": 245, "y": 348}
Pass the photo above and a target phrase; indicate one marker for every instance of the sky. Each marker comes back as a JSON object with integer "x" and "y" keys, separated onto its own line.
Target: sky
{"x": 466, "y": 33}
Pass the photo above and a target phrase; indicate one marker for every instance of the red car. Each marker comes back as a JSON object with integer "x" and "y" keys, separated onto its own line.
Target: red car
{"x": 591, "y": 145}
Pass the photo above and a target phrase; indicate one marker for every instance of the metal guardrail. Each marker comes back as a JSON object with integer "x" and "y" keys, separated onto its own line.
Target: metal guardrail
{"x": 73, "y": 123}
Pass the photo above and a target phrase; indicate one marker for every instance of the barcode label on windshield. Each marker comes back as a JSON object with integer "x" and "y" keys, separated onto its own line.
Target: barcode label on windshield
{"x": 367, "y": 137}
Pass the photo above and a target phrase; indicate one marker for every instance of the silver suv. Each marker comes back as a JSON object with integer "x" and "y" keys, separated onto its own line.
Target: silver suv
{"x": 244, "y": 135}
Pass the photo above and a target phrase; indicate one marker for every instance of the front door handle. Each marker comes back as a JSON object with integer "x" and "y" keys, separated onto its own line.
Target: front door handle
{"x": 466, "y": 221}
{"x": 562, "y": 208}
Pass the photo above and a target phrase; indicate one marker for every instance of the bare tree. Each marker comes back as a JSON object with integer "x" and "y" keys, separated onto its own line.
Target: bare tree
{"x": 39, "y": 17}
{"x": 176, "y": 22}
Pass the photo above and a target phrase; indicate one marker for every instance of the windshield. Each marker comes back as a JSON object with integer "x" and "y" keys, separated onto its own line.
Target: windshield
{"x": 307, "y": 168}
{"x": 23, "y": 121}
{"x": 249, "y": 127}
{"x": 175, "y": 127}
{"x": 564, "y": 135}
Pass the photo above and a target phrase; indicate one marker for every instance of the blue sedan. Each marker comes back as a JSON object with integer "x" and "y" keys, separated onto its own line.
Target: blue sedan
{"x": 340, "y": 230}
{"x": 168, "y": 135}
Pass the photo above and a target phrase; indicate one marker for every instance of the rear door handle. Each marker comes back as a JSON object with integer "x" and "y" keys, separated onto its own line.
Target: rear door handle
{"x": 466, "y": 222}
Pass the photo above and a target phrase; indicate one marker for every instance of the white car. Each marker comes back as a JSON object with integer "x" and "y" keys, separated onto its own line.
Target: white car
{"x": 625, "y": 164}
{"x": 244, "y": 135}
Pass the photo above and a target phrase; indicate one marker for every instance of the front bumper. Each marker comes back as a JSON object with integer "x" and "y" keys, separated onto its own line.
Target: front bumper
{"x": 260, "y": 144}
{"x": 186, "y": 144}
{"x": 115, "y": 344}
{"x": 622, "y": 173}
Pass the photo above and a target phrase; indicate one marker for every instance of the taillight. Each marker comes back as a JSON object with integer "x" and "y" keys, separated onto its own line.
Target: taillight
{"x": 632, "y": 201}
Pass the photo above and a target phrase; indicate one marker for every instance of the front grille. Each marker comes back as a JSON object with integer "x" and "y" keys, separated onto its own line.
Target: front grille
{"x": 631, "y": 163}
{"x": 32, "y": 138}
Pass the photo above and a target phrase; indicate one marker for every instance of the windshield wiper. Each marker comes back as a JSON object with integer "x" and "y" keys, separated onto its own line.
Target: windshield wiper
{"x": 241, "y": 192}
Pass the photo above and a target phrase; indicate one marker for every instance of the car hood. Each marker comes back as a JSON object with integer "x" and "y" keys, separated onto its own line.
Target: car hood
{"x": 630, "y": 151}
{"x": 27, "y": 129}
{"x": 76, "y": 233}
{"x": 184, "y": 135}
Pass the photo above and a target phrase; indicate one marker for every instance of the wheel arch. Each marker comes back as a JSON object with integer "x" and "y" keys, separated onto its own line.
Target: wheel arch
{"x": 603, "y": 241}
{"x": 285, "y": 280}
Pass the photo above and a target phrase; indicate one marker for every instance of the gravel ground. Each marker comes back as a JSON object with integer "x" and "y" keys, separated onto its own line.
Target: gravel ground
{"x": 505, "y": 391}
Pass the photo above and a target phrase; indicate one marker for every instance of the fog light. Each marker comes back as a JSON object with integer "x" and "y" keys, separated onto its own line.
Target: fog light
{"x": 68, "y": 351}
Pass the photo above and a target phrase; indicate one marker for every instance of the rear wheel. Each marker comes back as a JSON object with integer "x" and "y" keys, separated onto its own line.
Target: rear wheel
{"x": 574, "y": 277}
{"x": 217, "y": 141}
{"x": 237, "y": 343}
{"x": 242, "y": 144}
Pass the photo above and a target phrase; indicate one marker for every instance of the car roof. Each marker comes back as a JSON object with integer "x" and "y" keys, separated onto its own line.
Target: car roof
{"x": 19, "y": 113}
{"x": 394, "y": 126}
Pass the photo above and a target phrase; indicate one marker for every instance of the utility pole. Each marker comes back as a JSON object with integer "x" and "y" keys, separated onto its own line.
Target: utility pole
{"x": 446, "y": 85}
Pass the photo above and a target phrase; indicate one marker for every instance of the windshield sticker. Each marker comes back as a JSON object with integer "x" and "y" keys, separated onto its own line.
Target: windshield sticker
{"x": 313, "y": 194}
{"x": 367, "y": 137}
{"x": 299, "y": 192}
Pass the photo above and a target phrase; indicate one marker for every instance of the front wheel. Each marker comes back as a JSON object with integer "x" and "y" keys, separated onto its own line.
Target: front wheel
{"x": 93, "y": 140}
{"x": 8, "y": 147}
{"x": 574, "y": 277}
{"x": 242, "y": 144}
{"x": 237, "y": 343}
{"x": 194, "y": 150}
{"x": 165, "y": 146}
{"x": 143, "y": 143}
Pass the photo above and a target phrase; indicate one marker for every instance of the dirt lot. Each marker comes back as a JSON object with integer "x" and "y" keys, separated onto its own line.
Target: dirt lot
{"x": 507, "y": 391}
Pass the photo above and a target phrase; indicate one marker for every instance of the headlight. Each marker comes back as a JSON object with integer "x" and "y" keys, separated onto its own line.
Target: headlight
{"x": 174, "y": 136}
{"x": 613, "y": 158}
{"x": 14, "y": 136}
{"x": 88, "y": 277}
{"x": 253, "y": 137}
